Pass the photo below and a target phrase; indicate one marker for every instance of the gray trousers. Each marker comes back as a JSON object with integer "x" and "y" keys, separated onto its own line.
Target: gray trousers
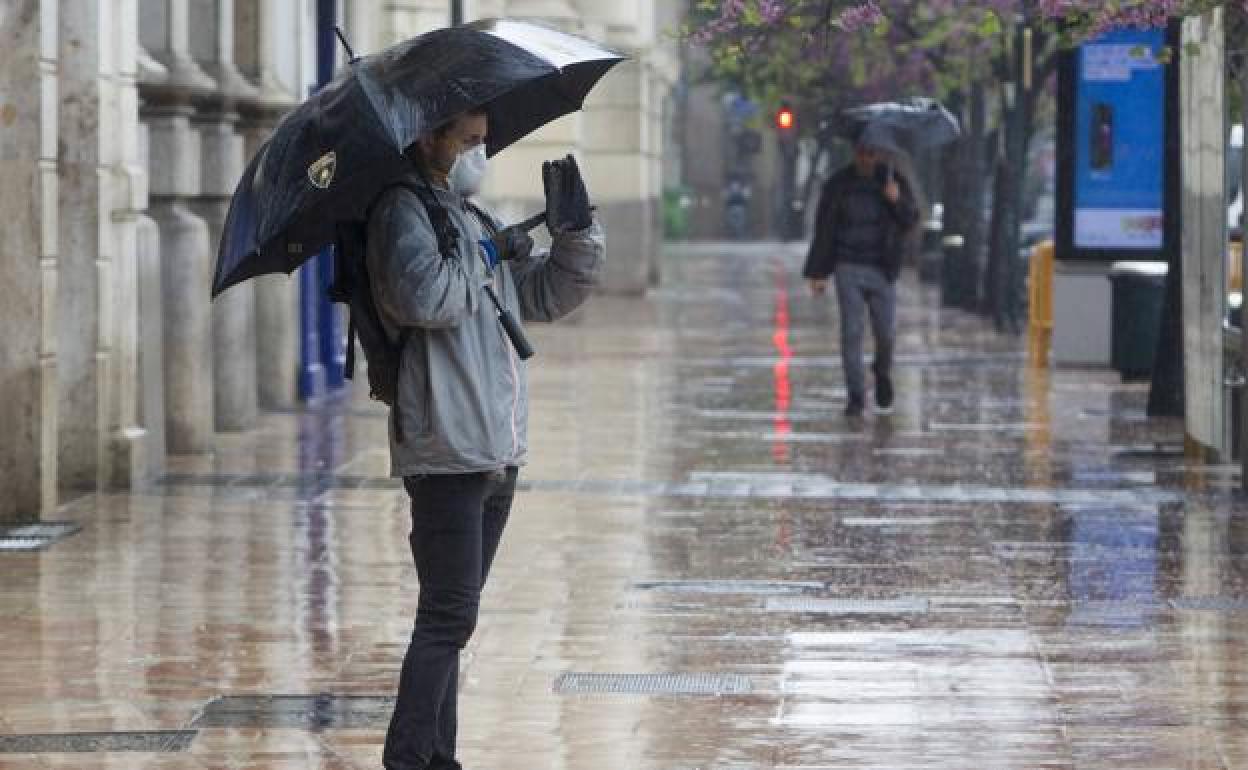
{"x": 860, "y": 287}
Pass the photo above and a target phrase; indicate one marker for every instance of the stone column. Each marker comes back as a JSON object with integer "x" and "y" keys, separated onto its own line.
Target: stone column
{"x": 560, "y": 13}
{"x": 134, "y": 459}
{"x": 165, "y": 32}
{"x": 276, "y": 327}
{"x": 234, "y": 312}
{"x": 150, "y": 395}
{"x": 622, "y": 141}
{"x": 28, "y": 271}
{"x": 400, "y": 21}
{"x": 186, "y": 265}
{"x": 255, "y": 30}
{"x": 484, "y": 9}
{"x": 514, "y": 185}
{"x": 661, "y": 156}
{"x": 363, "y": 27}
{"x": 616, "y": 169}
{"x": 85, "y": 275}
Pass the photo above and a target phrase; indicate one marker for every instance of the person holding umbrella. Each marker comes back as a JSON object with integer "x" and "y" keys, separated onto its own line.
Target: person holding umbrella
{"x": 376, "y": 150}
{"x": 463, "y": 400}
{"x": 865, "y": 211}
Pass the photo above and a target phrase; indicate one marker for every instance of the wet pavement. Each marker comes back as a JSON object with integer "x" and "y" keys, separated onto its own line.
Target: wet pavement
{"x": 708, "y": 568}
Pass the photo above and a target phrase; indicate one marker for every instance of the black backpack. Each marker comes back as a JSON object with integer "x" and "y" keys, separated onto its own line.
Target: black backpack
{"x": 353, "y": 288}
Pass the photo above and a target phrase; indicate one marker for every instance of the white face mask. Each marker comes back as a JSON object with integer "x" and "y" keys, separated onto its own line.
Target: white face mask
{"x": 468, "y": 173}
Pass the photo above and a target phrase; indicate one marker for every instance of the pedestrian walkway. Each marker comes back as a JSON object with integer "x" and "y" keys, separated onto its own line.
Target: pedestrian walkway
{"x": 708, "y": 568}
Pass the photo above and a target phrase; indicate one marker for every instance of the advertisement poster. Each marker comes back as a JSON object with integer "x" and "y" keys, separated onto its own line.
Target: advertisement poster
{"x": 1119, "y": 142}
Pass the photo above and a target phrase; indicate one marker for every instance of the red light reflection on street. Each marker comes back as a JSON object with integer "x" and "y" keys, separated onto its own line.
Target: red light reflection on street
{"x": 782, "y": 383}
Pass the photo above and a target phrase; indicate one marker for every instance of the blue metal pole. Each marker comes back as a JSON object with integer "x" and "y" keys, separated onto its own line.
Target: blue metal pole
{"x": 333, "y": 352}
{"x": 315, "y": 314}
{"x": 311, "y": 372}
{"x": 333, "y": 335}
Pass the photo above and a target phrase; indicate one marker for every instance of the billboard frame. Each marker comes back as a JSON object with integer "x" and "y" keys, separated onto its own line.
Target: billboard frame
{"x": 1067, "y": 96}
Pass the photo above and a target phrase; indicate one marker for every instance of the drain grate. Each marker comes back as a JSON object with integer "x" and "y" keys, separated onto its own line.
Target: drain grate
{"x": 570, "y": 683}
{"x": 732, "y": 767}
{"x": 319, "y": 480}
{"x": 158, "y": 741}
{"x": 35, "y": 537}
{"x": 308, "y": 712}
{"x": 751, "y": 587}
{"x": 1210, "y": 604}
{"x": 904, "y": 606}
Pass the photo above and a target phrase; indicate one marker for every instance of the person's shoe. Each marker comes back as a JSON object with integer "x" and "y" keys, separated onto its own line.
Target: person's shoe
{"x": 855, "y": 406}
{"x": 884, "y": 394}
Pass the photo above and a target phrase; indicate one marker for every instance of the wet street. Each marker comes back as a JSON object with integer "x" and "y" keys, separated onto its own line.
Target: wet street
{"x": 708, "y": 568}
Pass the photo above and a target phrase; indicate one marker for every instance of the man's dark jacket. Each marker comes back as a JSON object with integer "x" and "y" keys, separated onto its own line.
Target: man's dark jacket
{"x": 856, "y": 224}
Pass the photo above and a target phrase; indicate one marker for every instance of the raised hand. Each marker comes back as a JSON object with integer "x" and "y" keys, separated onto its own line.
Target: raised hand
{"x": 567, "y": 200}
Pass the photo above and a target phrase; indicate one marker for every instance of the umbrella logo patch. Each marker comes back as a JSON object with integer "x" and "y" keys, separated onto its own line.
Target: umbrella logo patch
{"x": 321, "y": 173}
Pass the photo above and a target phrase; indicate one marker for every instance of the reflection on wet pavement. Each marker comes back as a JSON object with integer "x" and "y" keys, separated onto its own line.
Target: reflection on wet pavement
{"x": 708, "y": 567}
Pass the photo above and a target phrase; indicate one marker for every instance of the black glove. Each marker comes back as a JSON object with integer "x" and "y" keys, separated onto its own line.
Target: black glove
{"x": 513, "y": 243}
{"x": 567, "y": 201}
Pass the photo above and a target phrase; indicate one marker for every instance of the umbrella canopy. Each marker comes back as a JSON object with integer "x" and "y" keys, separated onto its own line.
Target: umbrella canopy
{"x": 328, "y": 158}
{"x": 918, "y": 122}
{"x": 880, "y": 136}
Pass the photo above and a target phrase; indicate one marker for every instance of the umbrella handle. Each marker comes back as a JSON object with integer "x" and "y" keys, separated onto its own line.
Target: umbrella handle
{"x": 514, "y": 333}
{"x": 532, "y": 221}
{"x": 539, "y": 218}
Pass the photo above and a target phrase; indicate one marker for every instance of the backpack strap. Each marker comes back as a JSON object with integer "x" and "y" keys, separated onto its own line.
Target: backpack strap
{"x": 445, "y": 230}
{"x": 485, "y": 219}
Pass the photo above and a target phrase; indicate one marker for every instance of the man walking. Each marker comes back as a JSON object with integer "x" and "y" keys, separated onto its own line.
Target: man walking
{"x": 458, "y": 429}
{"x": 864, "y": 213}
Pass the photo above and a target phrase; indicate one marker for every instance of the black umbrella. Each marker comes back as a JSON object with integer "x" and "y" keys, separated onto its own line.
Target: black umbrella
{"x": 328, "y": 158}
{"x": 917, "y": 122}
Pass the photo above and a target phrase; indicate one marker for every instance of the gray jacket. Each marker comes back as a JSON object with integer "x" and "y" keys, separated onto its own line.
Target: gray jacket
{"x": 463, "y": 395}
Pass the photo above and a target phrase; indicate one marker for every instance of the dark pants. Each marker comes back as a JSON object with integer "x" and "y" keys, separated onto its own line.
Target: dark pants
{"x": 457, "y": 521}
{"x": 861, "y": 288}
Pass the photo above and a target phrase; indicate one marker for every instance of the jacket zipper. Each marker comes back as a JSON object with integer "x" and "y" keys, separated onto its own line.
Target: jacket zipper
{"x": 515, "y": 376}
{"x": 497, "y": 279}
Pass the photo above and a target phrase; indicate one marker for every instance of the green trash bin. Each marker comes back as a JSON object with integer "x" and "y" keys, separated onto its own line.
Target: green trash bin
{"x": 1138, "y": 290}
{"x": 676, "y": 203}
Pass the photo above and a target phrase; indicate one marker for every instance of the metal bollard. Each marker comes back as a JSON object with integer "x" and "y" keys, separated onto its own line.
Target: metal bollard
{"x": 1040, "y": 287}
{"x": 1040, "y": 302}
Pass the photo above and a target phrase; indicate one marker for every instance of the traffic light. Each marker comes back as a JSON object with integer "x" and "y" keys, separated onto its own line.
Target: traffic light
{"x": 786, "y": 121}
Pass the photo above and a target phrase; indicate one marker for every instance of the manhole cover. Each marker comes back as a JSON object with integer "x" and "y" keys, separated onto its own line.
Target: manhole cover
{"x": 752, "y": 587}
{"x": 848, "y": 606}
{"x": 308, "y": 712}
{"x": 35, "y": 537}
{"x": 570, "y": 683}
{"x": 63, "y": 743}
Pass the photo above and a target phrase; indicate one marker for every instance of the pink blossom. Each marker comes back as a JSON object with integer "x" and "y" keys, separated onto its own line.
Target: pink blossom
{"x": 860, "y": 17}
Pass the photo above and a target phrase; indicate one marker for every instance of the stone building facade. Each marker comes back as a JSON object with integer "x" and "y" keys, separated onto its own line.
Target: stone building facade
{"x": 124, "y": 127}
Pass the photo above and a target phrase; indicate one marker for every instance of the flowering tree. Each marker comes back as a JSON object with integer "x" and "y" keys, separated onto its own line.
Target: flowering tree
{"x": 1080, "y": 18}
{"x": 823, "y": 55}
{"x": 834, "y": 51}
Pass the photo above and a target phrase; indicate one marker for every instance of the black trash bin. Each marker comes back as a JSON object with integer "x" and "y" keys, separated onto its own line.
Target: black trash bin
{"x": 1138, "y": 292}
{"x": 952, "y": 271}
{"x": 930, "y": 254}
